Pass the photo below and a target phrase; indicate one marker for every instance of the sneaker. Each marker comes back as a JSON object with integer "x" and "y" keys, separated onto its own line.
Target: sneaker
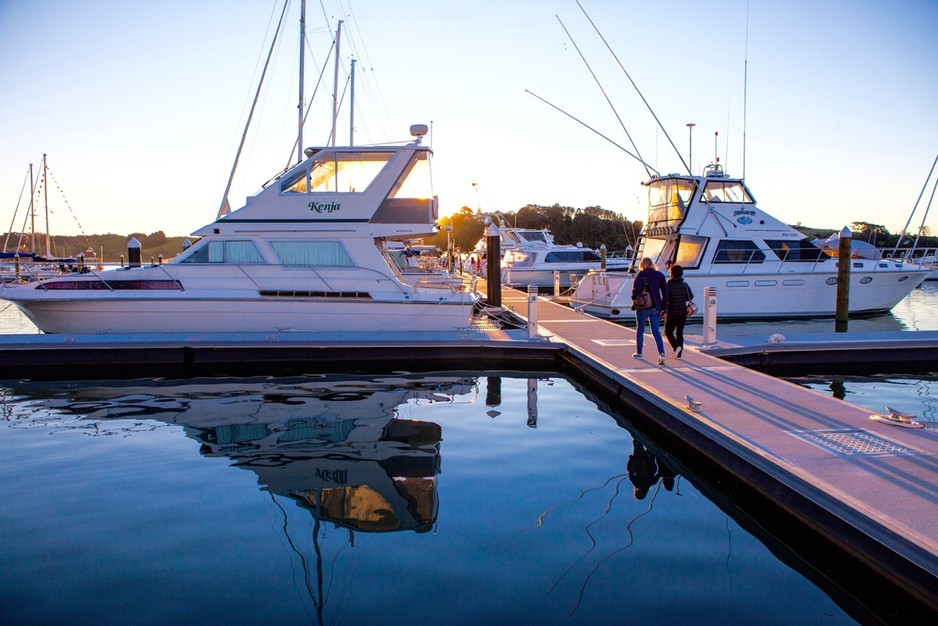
{"x": 677, "y": 352}
{"x": 637, "y": 355}
{"x": 661, "y": 359}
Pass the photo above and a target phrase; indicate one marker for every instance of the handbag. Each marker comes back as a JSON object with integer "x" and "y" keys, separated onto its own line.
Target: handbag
{"x": 642, "y": 301}
{"x": 691, "y": 307}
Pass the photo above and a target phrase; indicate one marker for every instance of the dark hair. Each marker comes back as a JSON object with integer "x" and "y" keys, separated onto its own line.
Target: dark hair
{"x": 677, "y": 271}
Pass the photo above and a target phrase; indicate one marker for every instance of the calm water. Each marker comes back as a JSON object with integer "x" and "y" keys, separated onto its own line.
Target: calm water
{"x": 343, "y": 500}
{"x": 338, "y": 500}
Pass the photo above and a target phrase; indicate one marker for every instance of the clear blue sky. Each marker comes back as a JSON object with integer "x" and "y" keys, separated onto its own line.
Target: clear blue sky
{"x": 140, "y": 105}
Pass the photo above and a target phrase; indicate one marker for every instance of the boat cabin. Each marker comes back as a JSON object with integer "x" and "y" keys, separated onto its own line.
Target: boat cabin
{"x": 698, "y": 221}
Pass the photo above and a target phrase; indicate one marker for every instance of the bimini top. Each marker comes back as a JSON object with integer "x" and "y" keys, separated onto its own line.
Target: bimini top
{"x": 375, "y": 191}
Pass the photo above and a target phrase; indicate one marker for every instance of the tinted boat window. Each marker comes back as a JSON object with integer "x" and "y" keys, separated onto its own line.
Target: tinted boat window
{"x": 801, "y": 250}
{"x": 236, "y": 252}
{"x": 733, "y": 251}
{"x": 311, "y": 253}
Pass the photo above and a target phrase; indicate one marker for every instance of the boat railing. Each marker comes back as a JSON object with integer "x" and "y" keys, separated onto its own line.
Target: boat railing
{"x": 914, "y": 255}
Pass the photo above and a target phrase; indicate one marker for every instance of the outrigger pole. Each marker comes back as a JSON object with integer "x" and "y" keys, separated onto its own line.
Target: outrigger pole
{"x": 632, "y": 141}
{"x": 647, "y": 167}
{"x": 608, "y": 47}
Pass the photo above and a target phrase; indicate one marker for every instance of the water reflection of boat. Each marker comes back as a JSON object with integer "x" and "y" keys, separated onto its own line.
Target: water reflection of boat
{"x": 337, "y": 448}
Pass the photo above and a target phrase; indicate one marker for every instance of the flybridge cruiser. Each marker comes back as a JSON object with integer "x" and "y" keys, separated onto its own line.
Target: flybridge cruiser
{"x": 760, "y": 267}
{"x": 306, "y": 253}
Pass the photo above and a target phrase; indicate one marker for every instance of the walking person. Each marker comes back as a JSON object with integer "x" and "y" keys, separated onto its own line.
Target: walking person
{"x": 653, "y": 281}
{"x": 679, "y": 294}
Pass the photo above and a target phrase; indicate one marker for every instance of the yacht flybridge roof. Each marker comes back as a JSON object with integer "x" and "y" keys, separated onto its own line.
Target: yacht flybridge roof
{"x": 378, "y": 191}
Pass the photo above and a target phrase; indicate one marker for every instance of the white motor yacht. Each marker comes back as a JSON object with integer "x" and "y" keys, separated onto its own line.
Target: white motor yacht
{"x": 759, "y": 266}
{"x": 306, "y": 253}
{"x": 530, "y": 257}
{"x": 535, "y": 264}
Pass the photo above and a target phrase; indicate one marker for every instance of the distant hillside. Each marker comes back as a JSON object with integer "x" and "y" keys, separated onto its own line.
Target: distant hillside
{"x": 108, "y": 247}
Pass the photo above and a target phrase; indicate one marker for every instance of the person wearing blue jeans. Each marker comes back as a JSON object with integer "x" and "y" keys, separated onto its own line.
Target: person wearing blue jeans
{"x": 651, "y": 279}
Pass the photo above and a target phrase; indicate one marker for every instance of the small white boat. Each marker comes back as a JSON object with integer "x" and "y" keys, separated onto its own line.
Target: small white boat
{"x": 759, "y": 266}
{"x": 536, "y": 263}
{"x": 530, "y": 257}
{"x": 307, "y": 253}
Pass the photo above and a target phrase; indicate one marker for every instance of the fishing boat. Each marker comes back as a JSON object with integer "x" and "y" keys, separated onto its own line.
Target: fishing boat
{"x": 307, "y": 253}
{"x": 759, "y": 267}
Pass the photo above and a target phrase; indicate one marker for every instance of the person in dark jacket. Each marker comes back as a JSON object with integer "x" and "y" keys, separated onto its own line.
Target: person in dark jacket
{"x": 653, "y": 280}
{"x": 679, "y": 294}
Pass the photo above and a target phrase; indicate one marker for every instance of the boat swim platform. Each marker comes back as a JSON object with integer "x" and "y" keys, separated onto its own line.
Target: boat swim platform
{"x": 831, "y": 480}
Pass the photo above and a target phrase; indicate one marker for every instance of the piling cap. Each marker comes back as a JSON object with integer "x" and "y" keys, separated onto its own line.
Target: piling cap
{"x": 133, "y": 243}
{"x": 845, "y": 233}
{"x": 491, "y": 231}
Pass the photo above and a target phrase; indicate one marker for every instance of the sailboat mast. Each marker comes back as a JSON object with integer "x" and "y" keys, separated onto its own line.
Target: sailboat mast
{"x": 32, "y": 210}
{"x": 301, "y": 107}
{"x": 351, "y": 124}
{"x": 45, "y": 192}
{"x": 335, "y": 82}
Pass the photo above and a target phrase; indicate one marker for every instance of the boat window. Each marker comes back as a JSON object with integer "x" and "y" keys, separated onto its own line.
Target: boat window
{"x": 690, "y": 249}
{"x": 726, "y": 191}
{"x": 733, "y": 251}
{"x": 801, "y": 250}
{"x": 311, "y": 253}
{"x": 571, "y": 256}
{"x": 337, "y": 171}
{"x": 652, "y": 247}
{"x": 668, "y": 200}
{"x": 531, "y": 235}
{"x": 415, "y": 181}
{"x": 517, "y": 258}
{"x": 235, "y": 252}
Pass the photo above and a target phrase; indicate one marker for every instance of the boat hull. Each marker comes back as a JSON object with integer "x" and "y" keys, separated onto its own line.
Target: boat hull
{"x": 241, "y": 315}
{"x": 758, "y": 296}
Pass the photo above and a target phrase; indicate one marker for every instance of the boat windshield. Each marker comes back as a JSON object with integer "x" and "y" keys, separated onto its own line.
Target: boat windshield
{"x": 532, "y": 235}
{"x": 416, "y": 181}
{"x": 337, "y": 171}
{"x": 668, "y": 200}
{"x": 726, "y": 191}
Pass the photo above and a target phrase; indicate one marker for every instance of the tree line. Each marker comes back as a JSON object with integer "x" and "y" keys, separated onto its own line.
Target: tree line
{"x": 595, "y": 226}
{"x": 592, "y": 226}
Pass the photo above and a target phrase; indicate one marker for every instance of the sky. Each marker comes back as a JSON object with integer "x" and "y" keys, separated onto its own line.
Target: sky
{"x": 140, "y": 105}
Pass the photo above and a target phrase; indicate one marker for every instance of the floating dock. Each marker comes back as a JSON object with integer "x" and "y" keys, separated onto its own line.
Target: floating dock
{"x": 866, "y": 489}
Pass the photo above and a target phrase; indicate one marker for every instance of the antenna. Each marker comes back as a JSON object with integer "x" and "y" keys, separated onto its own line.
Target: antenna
{"x": 745, "y": 86}
{"x": 690, "y": 149}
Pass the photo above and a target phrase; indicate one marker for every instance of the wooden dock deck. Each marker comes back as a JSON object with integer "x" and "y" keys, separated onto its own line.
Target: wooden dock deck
{"x": 871, "y": 487}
